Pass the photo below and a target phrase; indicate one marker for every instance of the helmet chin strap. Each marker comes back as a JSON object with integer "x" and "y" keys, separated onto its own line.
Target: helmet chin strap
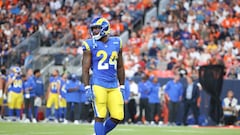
{"x": 94, "y": 43}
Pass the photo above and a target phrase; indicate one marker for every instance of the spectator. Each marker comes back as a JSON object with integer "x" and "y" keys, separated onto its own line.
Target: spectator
{"x": 232, "y": 74}
{"x": 28, "y": 60}
{"x": 229, "y": 108}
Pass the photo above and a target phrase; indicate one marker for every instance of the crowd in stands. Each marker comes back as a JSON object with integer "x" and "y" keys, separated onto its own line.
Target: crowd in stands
{"x": 55, "y": 18}
{"x": 187, "y": 35}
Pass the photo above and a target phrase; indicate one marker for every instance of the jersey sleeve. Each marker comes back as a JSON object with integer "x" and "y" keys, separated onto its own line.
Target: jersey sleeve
{"x": 85, "y": 46}
{"x": 120, "y": 41}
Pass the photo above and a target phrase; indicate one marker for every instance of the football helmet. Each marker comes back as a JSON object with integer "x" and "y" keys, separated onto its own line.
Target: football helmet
{"x": 103, "y": 25}
{"x": 16, "y": 70}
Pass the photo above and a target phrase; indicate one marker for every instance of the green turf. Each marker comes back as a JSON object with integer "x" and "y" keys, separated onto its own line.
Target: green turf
{"x": 70, "y": 129}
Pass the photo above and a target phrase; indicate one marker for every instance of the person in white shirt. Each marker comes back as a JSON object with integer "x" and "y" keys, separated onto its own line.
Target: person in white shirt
{"x": 229, "y": 104}
{"x": 133, "y": 100}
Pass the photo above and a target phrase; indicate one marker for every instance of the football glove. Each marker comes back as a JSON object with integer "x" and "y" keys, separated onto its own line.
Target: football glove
{"x": 89, "y": 93}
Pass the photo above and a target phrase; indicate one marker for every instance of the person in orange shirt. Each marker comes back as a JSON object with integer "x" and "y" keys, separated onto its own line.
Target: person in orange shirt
{"x": 228, "y": 21}
{"x": 117, "y": 27}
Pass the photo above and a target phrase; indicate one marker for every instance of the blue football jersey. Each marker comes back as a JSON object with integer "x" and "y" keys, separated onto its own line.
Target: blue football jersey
{"x": 104, "y": 61}
{"x": 17, "y": 85}
{"x": 63, "y": 90}
{"x": 53, "y": 82}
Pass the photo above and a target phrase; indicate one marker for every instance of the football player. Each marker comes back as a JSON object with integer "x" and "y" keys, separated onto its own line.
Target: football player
{"x": 103, "y": 55}
{"x": 14, "y": 92}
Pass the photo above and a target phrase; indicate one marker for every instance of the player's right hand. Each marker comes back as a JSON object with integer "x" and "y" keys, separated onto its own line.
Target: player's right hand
{"x": 89, "y": 93}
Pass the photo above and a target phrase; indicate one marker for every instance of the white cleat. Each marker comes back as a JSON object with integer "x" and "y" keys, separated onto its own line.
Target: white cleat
{"x": 55, "y": 121}
{"x": 34, "y": 121}
{"x": 26, "y": 121}
{"x": 65, "y": 121}
{"x": 76, "y": 122}
{"x": 45, "y": 120}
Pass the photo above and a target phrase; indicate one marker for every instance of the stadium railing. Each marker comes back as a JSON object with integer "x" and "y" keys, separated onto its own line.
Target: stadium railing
{"x": 30, "y": 44}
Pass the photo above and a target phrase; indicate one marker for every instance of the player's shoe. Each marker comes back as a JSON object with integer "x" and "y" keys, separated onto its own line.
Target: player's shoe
{"x": 76, "y": 122}
{"x": 34, "y": 120}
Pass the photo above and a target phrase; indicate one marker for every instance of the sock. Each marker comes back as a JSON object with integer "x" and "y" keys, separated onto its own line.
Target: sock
{"x": 99, "y": 128}
{"x": 10, "y": 112}
{"x": 18, "y": 113}
{"x": 48, "y": 111}
{"x": 36, "y": 112}
{"x": 57, "y": 113}
{"x": 109, "y": 125}
{"x": 64, "y": 113}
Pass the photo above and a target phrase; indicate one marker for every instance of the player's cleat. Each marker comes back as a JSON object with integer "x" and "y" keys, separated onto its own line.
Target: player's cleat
{"x": 76, "y": 122}
{"x": 34, "y": 121}
{"x": 65, "y": 121}
{"x": 45, "y": 120}
{"x": 55, "y": 121}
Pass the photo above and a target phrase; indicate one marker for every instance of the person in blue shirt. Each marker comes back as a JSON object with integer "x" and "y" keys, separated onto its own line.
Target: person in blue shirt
{"x": 126, "y": 99}
{"x": 39, "y": 89}
{"x": 29, "y": 95}
{"x": 173, "y": 91}
{"x": 85, "y": 106}
{"x": 73, "y": 98}
{"x": 144, "y": 89}
{"x": 154, "y": 100}
{"x": 103, "y": 54}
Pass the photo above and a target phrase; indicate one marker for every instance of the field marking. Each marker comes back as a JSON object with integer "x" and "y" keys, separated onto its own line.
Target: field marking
{"x": 43, "y": 133}
{"x": 184, "y": 131}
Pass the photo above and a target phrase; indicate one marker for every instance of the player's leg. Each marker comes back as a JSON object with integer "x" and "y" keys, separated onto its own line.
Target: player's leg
{"x": 116, "y": 108}
{"x": 11, "y": 101}
{"x": 56, "y": 106}
{"x": 26, "y": 110}
{"x": 100, "y": 108}
{"x": 50, "y": 102}
{"x": 32, "y": 110}
{"x": 19, "y": 103}
{"x": 62, "y": 111}
{"x": 1, "y": 108}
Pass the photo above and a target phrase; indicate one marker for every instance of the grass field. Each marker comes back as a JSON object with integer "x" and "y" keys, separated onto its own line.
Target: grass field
{"x": 83, "y": 129}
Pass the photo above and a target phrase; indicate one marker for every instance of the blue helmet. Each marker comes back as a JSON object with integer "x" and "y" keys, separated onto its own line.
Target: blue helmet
{"x": 104, "y": 26}
{"x": 16, "y": 69}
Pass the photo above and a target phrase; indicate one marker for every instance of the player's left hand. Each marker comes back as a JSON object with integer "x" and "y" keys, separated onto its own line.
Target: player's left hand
{"x": 122, "y": 89}
{"x": 89, "y": 93}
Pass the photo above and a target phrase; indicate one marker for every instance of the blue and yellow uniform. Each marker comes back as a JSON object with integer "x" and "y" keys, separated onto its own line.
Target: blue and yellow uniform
{"x": 104, "y": 78}
{"x": 53, "y": 97}
{"x": 63, "y": 92}
{"x": 15, "y": 93}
